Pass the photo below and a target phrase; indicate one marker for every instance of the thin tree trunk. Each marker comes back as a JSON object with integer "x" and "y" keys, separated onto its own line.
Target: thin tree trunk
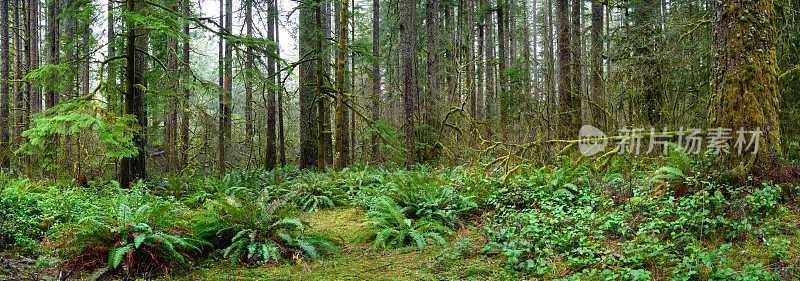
{"x": 54, "y": 55}
{"x": 171, "y": 125}
{"x": 281, "y": 138}
{"x": 16, "y": 84}
{"x": 473, "y": 103}
{"x": 271, "y": 160}
{"x": 490, "y": 70}
{"x": 376, "y": 75}
{"x": 228, "y": 105}
{"x": 36, "y": 93}
{"x": 576, "y": 60}
{"x": 408, "y": 58}
{"x": 221, "y": 98}
{"x": 501, "y": 63}
{"x": 5, "y": 162}
{"x": 342, "y": 158}
{"x": 186, "y": 92}
{"x": 249, "y": 73}
{"x": 550, "y": 76}
{"x": 481, "y": 65}
{"x": 431, "y": 66}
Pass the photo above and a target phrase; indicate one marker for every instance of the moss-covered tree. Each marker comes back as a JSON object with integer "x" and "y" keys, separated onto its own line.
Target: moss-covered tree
{"x": 744, "y": 77}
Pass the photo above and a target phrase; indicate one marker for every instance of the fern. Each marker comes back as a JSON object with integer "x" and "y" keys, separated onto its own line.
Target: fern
{"x": 389, "y": 227}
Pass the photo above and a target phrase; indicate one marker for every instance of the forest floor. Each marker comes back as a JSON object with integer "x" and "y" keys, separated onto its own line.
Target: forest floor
{"x": 357, "y": 262}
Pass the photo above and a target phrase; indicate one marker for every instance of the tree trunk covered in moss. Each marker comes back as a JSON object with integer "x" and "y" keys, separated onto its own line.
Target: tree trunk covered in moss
{"x": 744, "y": 77}
{"x": 342, "y": 157}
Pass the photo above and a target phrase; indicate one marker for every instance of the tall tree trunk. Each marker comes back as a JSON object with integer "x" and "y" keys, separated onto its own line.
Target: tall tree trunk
{"x": 16, "y": 84}
{"x": 342, "y": 158}
{"x": 569, "y": 104}
{"x": 491, "y": 91}
{"x": 473, "y": 103}
{"x": 431, "y": 66}
{"x": 450, "y": 54}
{"x": 25, "y": 108}
{"x": 376, "y": 75}
{"x": 228, "y": 90}
{"x": 308, "y": 38}
{"x": 352, "y": 119}
{"x": 248, "y": 70}
{"x": 281, "y": 137}
{"x": 36, "y": 93}
{"x": 576, "y": 60}
{"x": 5, "y": 149}
{"x": 479, "y": 75}
{"x": 325, "y": 140}
{"x": 86, "y": 51}
{"x": 744, "y": 81}
{"x": 112, "y": 99}
{"x": 550, "y": 68}
{"x": 408, "y": 59}
{"x": 133, "y": 168}
{"x": 645, "y": 48}
{"x": 501, "y": 64}
{"x": 54, "y": 58}
{"x": 596, "y": 69}
{"x": 186, "y": 92}
{"x": 173, "y": 80}
{"x": 271, "y": 160}
{"x": 221, "y": 97}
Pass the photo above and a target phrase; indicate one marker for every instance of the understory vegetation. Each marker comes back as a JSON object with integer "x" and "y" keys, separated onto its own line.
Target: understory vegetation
{"x": 627, "y": 221}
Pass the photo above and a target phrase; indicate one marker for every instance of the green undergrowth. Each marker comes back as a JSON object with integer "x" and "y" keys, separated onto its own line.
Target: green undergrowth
{"x": 633, "y": 219}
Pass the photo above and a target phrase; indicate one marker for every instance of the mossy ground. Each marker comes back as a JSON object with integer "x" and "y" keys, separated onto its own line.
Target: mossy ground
{"x": 357, "y": 262}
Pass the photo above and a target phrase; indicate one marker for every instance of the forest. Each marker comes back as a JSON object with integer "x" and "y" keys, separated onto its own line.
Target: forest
{"x": 399, "y": 140}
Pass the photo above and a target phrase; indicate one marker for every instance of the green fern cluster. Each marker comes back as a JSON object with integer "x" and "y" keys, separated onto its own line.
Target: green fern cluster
{"x": 132, "y": 239}
{"x": 390, "y": 227}
{"x": 256, "y": 229}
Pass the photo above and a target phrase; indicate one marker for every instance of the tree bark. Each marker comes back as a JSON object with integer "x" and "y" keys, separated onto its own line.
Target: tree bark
{"x": 501, "y": 64}
{"x": 569, "y": 104}
{"x": 281, "y": 137}
{"x": 744, "y": 79}
{"x": 186, "y": 92}
{"x": 133, "y": 168}
{"x": 36, "y": 92}
{"x": 308, "y": 37}
{"x": 342, "y": 156}
{"x": 5, "y": 162}
{"x": 325, "y": 140}
{"x": 596, "y": 70}
{"x": 481, "y": 22}
{"x": 491, "y": 91}
{"x": 576, "y": 59}
{"x": 249, "y": 74}
{"x": 408, "y": 58}
{"x": 221, "y": 97}
{"x": 376, "y": 75}
{"x": 431, "y": 65}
